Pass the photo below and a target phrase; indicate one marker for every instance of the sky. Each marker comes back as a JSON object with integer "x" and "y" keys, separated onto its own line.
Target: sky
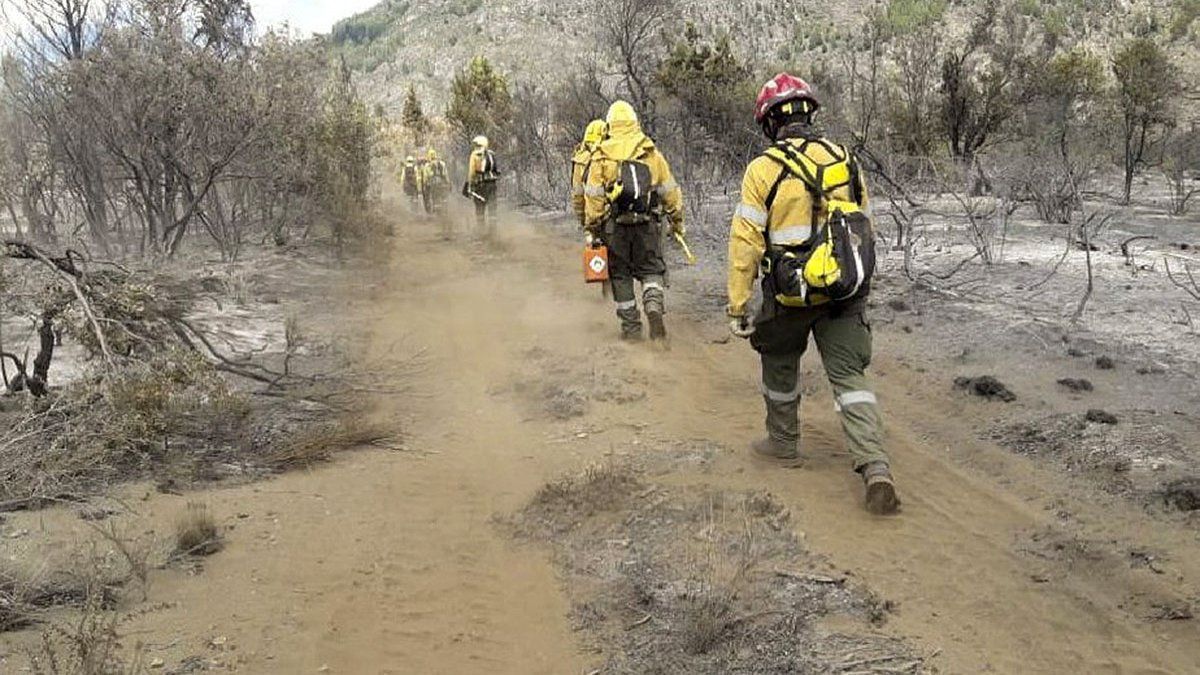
{"x": 304, "y": 16}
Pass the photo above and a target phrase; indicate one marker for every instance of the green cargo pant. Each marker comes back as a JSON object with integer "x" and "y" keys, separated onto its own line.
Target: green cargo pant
{"x": 635, "y": 252}
{"x": 843, "y": 339}
{"x": 485, "y": 211}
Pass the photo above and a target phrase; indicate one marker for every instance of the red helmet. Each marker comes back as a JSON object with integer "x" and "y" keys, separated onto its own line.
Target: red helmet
{"x": 781, "y": 89}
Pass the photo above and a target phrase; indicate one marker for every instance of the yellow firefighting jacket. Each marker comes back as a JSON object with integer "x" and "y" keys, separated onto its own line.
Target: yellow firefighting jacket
{"x": 579, "y": 172}
{"x": 433, "y": 173}
{"x": 789, "y": 221}
{"x": 475, "y": 166}
{"x": 627, "y": 142}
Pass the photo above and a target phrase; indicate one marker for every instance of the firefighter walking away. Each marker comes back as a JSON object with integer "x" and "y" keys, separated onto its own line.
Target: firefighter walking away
{"x": 482, "y": 174}
{"x": 628, "y": 193}
{"x": 802, "y": 223}
{"x": 581, "y": 163}
{"x": 410, "y": 181}
{"x": 435, "y": 182}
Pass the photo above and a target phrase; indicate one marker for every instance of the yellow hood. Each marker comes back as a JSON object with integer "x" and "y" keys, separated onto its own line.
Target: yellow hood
{"x": 625, "y": 141}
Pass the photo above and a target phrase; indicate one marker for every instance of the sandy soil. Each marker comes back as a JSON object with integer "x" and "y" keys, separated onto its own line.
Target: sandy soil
{"x": 393, "y": 561}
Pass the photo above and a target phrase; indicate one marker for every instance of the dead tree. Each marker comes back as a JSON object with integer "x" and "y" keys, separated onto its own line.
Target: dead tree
{"x": 70, "y": 274}
{"x": 62, "y": 25}
{"x": 630, "y": 29}
{"x": 1186, "y": 282}
{"x": 1091, "y": 227}
{"x": 1129, "y": 256}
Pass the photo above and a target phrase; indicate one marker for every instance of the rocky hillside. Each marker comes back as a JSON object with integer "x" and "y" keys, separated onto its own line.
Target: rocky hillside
{"x": 423, "y": 42}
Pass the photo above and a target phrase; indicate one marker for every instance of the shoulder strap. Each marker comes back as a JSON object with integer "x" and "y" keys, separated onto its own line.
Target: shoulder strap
{"x": 857, "y": 189}
{"x": 796, "y": 162}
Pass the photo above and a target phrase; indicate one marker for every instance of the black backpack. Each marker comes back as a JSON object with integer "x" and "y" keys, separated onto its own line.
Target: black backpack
{"x": 634, "y": 189}
{"x": 837, "y": 262}
{"x": 489, "y": 171}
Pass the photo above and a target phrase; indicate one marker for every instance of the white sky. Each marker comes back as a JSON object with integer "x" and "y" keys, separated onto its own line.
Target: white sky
{"x": 304, "y": 16}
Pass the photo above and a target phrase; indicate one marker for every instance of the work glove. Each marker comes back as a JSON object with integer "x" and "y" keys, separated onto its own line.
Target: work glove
{"x": 592, "y": 239}
{"x": 466, "y": 191}
{"x": 678, "y": 228}
{"x": 741, "y": 326}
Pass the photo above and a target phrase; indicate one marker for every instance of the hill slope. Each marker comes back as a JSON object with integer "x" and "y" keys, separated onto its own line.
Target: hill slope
{"x": 424, "y": 42}
{"x": 398, "y": 41}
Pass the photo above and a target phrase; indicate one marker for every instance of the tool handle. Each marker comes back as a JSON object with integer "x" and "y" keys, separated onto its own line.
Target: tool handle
{"x": 687, "y": 251}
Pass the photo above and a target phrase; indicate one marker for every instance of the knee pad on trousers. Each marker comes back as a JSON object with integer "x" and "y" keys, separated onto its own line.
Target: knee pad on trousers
{"x": 653, "y": 295}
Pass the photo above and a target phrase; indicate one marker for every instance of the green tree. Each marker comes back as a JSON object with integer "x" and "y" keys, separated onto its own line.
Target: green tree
{"x": 1064, "y": 117}
{"x": 1147, "y": 82}
{"x": 346, "y": 142}
{"x": 982, "y": 80}
{"x": 915, "y": 28}
{"x": 480, "y": 102}
{"x": 911, "y": 16}
{"x": 1185, "y": 14}
{"x": 413, "y": 116}
{"x": 1071, "y": 84}
{"x": 707, "y": 87}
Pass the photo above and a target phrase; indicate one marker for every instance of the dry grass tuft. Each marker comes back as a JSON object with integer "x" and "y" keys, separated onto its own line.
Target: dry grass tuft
{"x": 601, "y": 487}
{"x": 706, "y": 618}
{"x": 89, "y": 644}
{"x": 720, "y": 578}
{"x": 196, "y": 532}
{"x": 563, "y": 505}
{"x": 25, "y": 595}
{"x": 318, "y": 444}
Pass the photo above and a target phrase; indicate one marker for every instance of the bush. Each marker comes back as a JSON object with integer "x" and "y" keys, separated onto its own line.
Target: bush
{"x": 480, "y": 102}
{"x": 908, "y": 16}
{"x": 196, "y": 532}
{"x": 119, "y": 427}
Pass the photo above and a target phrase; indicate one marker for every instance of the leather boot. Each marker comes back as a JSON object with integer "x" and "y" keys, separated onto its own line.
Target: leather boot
{"x": 881, "y": 489}
{"x": 776, "y": 451}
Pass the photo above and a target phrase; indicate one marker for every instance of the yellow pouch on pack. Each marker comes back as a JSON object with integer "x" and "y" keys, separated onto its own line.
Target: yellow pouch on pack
{"x": 822, "y": 270}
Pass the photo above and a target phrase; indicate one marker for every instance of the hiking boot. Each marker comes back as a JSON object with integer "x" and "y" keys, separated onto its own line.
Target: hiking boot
{"x": 881, "y": 489}
{"x": 776, "y": 451}
{"x": 631, "y": 334}
{"x": 658, "y": 329}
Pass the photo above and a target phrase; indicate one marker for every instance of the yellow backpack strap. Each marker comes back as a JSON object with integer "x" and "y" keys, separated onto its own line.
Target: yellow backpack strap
{"x": 798, "y": 164}
{"x": 821, "y": 179}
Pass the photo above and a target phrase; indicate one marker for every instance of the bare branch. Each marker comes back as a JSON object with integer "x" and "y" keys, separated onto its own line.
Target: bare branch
{"x": 1190, "y": 285}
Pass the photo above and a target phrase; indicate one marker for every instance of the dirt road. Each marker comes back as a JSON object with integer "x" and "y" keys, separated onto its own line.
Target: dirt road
{"x": 391, "y": 562}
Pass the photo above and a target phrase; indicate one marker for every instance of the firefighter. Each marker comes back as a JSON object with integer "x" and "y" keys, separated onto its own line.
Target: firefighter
{"x": 629, "y": 191}
{"x": 581, "y": 161}
{"x": 773, "y": 227}
{"x": 410, "y": 181}
{"x": 435, "y": 184}
{"x": 435, "y": 181}
{"x": 482, "y": 174}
